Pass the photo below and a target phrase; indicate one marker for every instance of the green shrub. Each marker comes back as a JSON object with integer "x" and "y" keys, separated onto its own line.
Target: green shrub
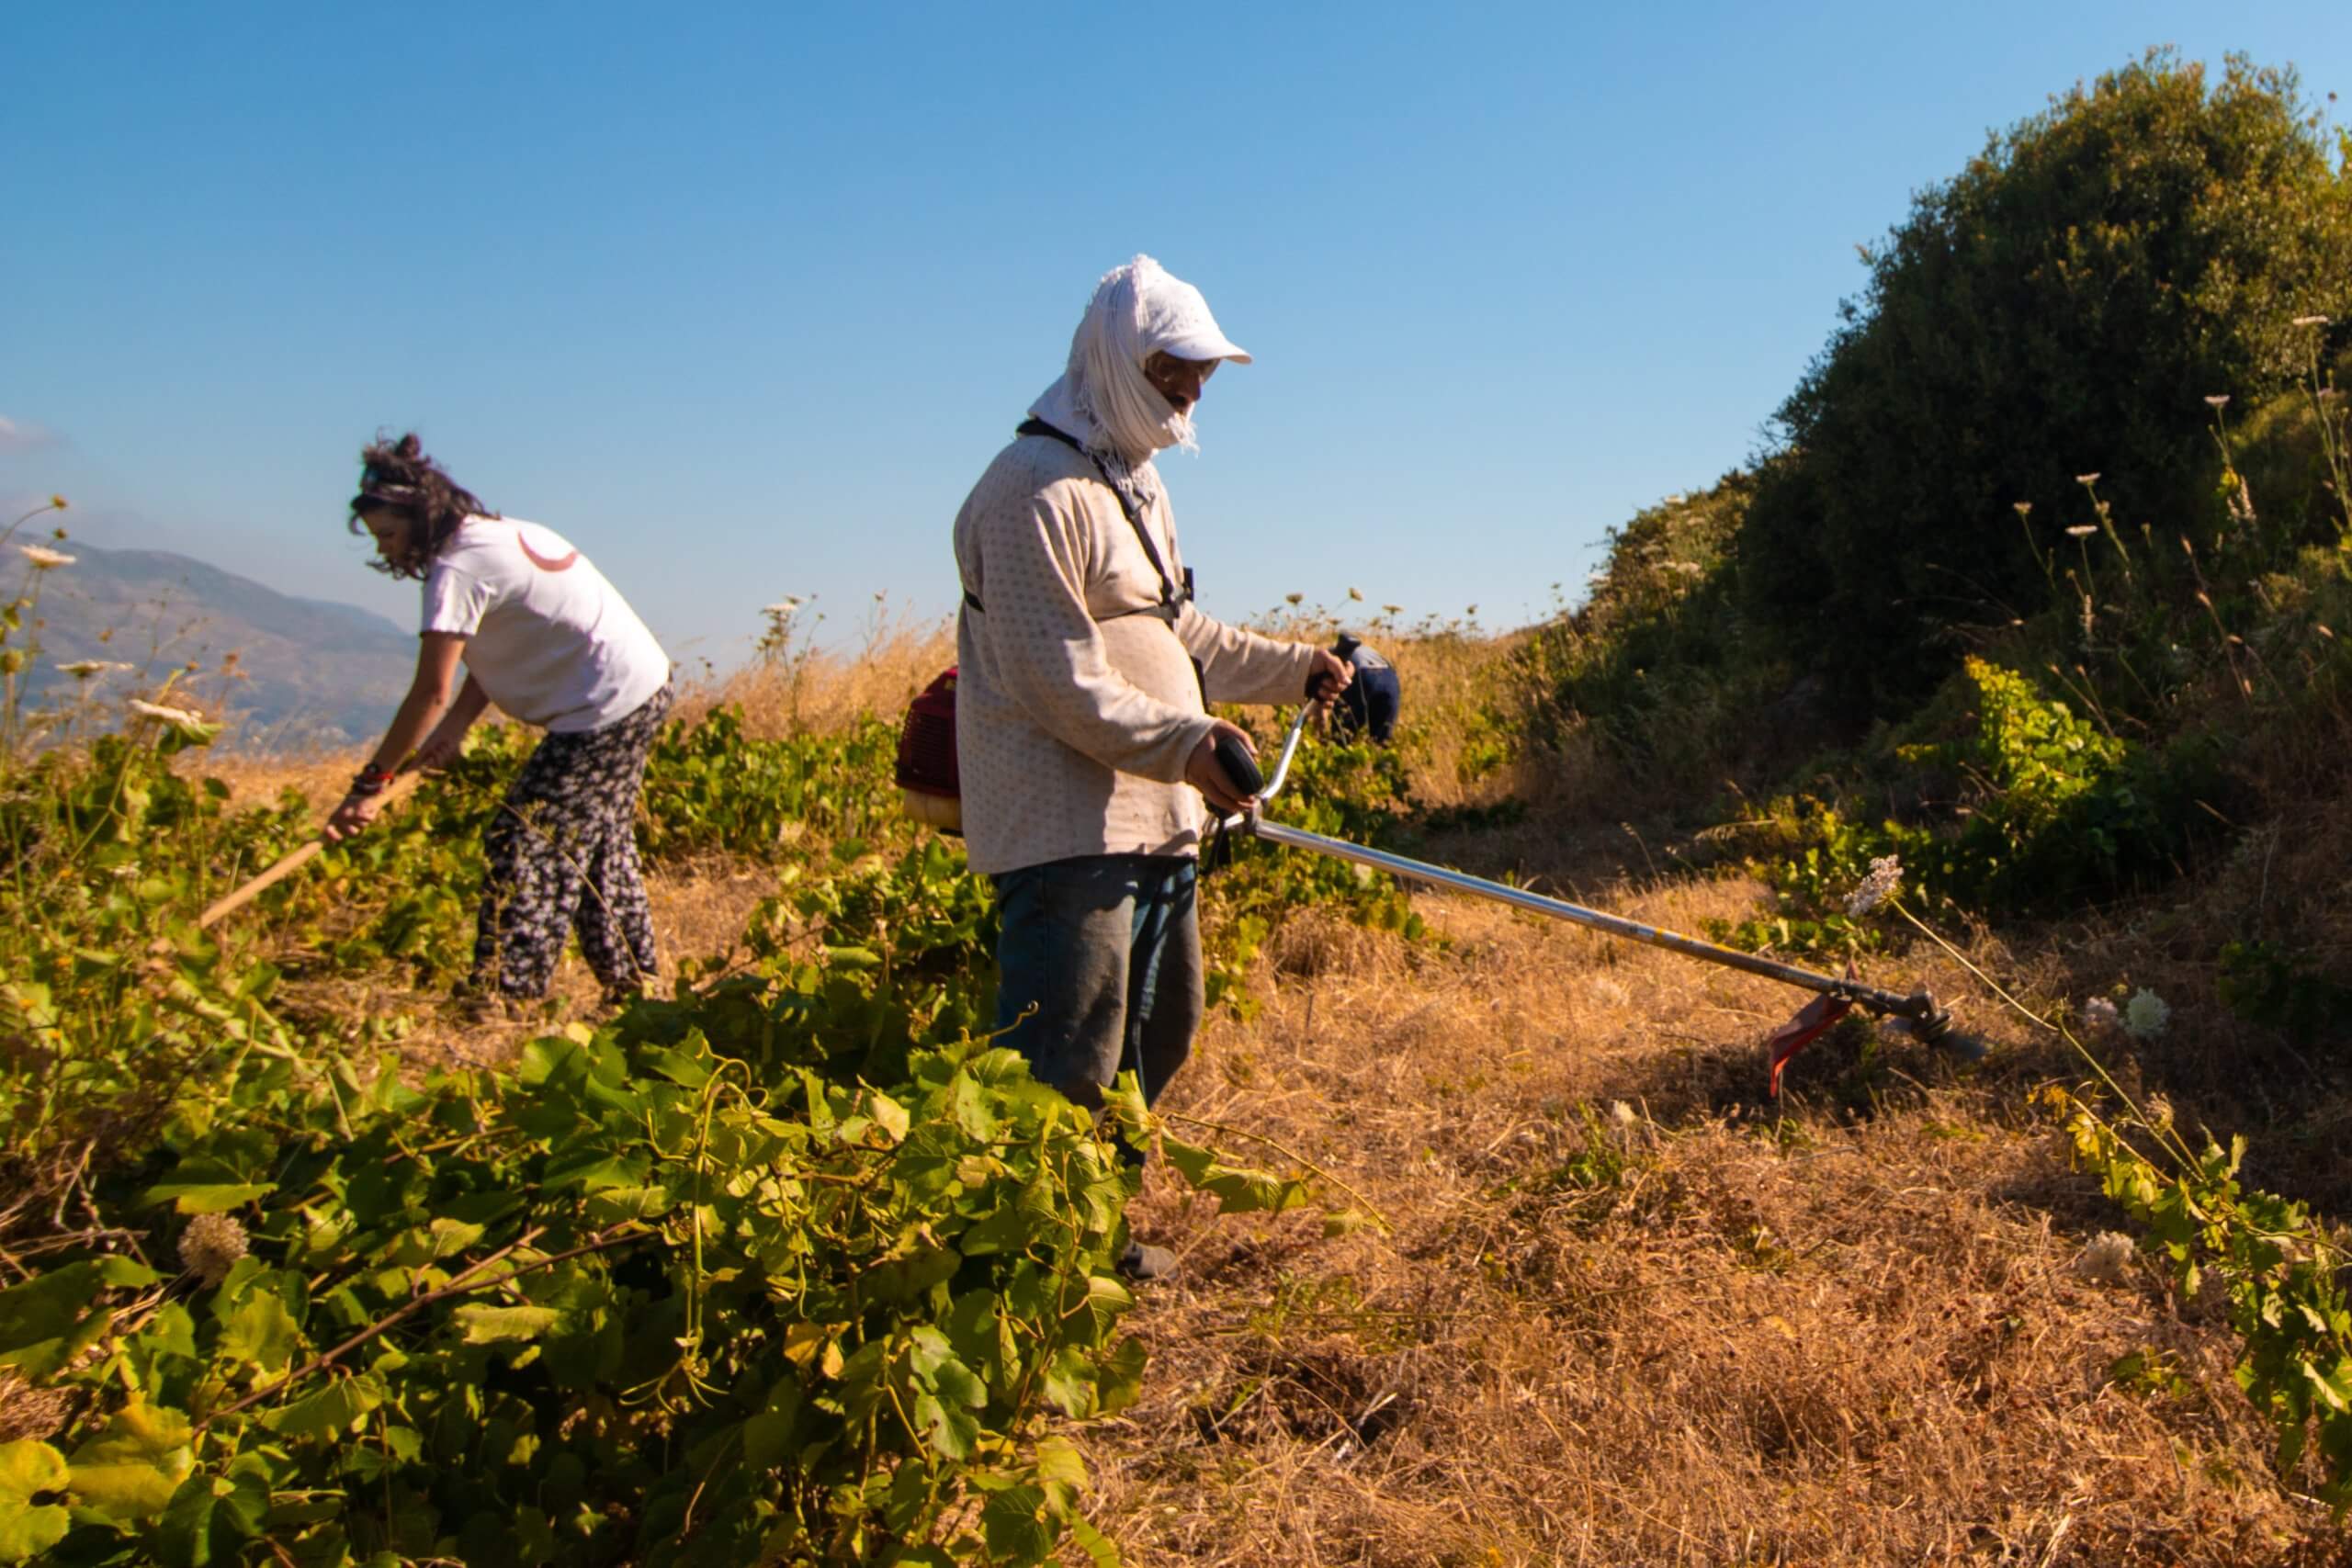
{"x": 2062, "y": 307}
{"x": 2270, "y": 985}
{"x": 621, "y": 1304}
{"x": 711, "y": 788}
{"x": 2040, "y": 810}
{"x": 2277, "y": 1272}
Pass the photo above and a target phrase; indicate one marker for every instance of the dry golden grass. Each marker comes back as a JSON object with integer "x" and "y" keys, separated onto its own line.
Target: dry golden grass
{"x": 1849, "y": 1333}
{"x": 811, "y": 691}
{"x": 259, "y": 778}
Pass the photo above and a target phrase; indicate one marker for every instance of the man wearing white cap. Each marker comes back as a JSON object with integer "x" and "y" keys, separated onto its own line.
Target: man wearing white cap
{"x": 1082, "y": 737}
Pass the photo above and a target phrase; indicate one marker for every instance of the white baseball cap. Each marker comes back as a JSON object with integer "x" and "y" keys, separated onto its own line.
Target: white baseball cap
{"x": 1176, "y": 318}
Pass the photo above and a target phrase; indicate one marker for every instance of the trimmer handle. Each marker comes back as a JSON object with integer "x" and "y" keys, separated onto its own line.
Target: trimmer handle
{"x": 1239, "y": 766}
{"x": 1344, "y": 650}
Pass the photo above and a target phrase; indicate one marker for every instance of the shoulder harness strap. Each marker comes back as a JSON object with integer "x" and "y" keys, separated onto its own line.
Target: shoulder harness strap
{"x": 1171, "y": 595}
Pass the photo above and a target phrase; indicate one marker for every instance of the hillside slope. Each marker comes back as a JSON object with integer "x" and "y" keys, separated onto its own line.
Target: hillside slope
{"x": 305, "y": 671}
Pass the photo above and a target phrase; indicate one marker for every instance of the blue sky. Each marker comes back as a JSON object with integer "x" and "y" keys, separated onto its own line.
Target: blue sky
{"x": 742, "y": 298}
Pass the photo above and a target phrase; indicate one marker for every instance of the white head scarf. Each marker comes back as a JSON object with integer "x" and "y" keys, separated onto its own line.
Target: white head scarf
{"x": 1104, "y": 398}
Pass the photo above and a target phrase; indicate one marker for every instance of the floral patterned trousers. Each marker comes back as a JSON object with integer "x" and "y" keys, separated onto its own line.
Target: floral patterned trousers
{"x": 561, "y": 855}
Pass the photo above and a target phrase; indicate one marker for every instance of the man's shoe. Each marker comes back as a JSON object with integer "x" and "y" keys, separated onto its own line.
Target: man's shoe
{"x": 1146, "y": 1264}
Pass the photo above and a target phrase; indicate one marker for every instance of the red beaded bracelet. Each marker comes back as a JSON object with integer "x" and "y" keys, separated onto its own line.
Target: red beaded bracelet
{"x": 372, "y": 781}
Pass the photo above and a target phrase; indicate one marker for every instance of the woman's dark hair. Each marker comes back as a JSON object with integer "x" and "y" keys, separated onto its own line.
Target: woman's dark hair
{"x": 397, "y": 475}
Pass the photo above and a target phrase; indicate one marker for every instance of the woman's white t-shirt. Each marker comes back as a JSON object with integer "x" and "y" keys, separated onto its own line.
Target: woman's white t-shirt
{"x": 552, "y": 643}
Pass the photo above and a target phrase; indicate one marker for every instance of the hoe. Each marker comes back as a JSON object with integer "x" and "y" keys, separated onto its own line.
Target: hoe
{"x": 1918, "y": 1013}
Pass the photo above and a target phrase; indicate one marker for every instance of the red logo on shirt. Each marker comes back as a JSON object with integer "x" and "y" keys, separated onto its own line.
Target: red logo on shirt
{"x": 541, "y": 561}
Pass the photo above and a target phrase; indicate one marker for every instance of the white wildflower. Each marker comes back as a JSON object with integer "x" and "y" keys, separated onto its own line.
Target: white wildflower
{"x": 169, "y": 716}
{"x": 2100, "y": 1015}
{"x": 1356, "y": 594}
{"x": 2145, "y": 1015}
{"x": 2218, "y": 400}
{"x": 1887, "y": 876}
{"x": 210, "y": 1246}
{"x": 1292, "y": 598}
{"x": 2082, "y": 530}
{"x": 783, "y": 609}
{"x": 1608, "y": 992}
{"x": 1620, "y": 1113}
{"x": 83, "y": 668}
{"x": 2086, "y": 478}
{"x": 2107, "y": 1258}
{"x": 2024, "y": 508}
{"x": 44, "y": 558}
{"x": 1392, "y": 609}
{"x": 2309, "y": 322}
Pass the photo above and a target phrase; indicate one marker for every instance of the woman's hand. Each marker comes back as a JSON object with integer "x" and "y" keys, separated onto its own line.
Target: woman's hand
{"x": 352, "y": 817}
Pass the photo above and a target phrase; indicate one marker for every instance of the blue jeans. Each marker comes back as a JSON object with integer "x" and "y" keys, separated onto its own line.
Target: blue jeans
{"x": 1107, "y": 950}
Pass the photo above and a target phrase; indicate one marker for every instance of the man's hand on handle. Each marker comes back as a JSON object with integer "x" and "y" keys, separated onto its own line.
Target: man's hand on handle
{"x": 1329, "y": 676}
{"x": 1205, "y": 774}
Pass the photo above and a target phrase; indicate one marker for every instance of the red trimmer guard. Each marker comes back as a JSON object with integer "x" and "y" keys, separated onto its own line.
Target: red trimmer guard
{"x": 1811, "y": 1021}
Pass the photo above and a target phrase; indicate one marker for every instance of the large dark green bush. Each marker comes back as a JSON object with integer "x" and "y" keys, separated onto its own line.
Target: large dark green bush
{"x": 2062, "y": 307}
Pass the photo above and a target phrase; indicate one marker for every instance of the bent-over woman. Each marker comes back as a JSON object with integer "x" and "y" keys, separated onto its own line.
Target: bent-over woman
{"x": 547, "y": 638}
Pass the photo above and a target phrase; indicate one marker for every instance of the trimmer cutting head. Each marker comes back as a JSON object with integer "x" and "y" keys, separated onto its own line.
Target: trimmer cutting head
{"x": 1930, "y": 1025}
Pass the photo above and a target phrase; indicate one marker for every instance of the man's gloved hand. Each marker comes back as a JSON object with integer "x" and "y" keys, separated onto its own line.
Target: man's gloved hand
{"x": 1327, "y": 679}
{"x": 1206, "y": 773}
{"x": 1372, "y": 696}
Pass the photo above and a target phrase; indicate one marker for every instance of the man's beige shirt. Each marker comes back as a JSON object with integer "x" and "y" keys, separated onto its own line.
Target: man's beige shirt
{"x": 1076, "y": 706}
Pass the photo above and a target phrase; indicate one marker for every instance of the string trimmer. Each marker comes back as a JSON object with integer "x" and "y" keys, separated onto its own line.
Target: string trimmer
{"x": 1837, "y": 995}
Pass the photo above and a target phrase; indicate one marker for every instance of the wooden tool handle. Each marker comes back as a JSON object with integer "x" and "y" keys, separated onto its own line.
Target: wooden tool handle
{"x": 288, "y": 864}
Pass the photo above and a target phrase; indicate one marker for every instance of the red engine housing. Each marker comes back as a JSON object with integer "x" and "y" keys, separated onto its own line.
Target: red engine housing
{"x": 927, "y": 741}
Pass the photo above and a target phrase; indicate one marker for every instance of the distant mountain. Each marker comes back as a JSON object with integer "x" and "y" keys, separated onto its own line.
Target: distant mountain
{"x": 307, "y": 671}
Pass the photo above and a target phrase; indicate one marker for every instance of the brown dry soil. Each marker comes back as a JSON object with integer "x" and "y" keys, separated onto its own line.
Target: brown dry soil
{"x": 1850, "y": 1332}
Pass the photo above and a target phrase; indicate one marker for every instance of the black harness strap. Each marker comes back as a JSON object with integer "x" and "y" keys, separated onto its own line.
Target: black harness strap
{"x": 1171, "y": 595}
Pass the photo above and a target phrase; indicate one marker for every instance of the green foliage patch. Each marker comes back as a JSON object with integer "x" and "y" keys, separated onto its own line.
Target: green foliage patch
{"x": 2042, "y": 809}
{"x": 618, "y": 1304}
{"x": 2280, "y": 1274}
